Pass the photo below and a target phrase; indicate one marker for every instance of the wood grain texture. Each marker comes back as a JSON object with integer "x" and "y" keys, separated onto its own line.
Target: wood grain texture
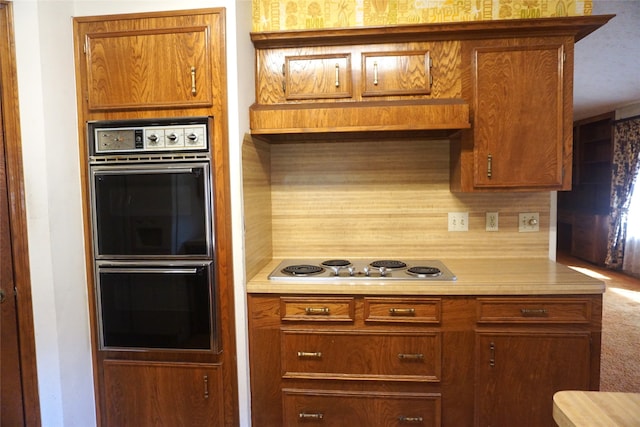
{"x": 597, "y": 409}
{"x": 388, "y": 199}
{"x": 256, "y": 188}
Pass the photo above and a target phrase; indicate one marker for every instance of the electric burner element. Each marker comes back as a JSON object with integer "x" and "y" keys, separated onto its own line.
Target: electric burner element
{"x": 302, "y": 270}
{"x": 336, "y": 263}
{"x": 385, "y": 263}
{"x": 343, "y": 270}
{"x": 420, "y": 271}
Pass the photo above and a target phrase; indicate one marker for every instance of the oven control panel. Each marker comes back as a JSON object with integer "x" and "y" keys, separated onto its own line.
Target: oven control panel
{"x": 135, "y": 138}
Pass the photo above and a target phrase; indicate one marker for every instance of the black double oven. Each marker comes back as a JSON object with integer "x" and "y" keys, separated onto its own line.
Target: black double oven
{"x": 153, "y": 238}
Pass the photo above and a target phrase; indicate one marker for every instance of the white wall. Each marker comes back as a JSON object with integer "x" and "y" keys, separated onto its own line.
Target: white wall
{"x": 46, "y": 84}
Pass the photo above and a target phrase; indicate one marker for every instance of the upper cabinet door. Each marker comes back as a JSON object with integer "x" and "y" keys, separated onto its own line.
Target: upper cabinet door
{"x": 317, "y": 76}
{"x": 520, "y": 127}
{"x": 147, "y": 63}
{"x": 396, "y": 73}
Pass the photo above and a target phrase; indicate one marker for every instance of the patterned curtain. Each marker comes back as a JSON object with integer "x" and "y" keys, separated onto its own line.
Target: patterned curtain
{"x": 625, "y": 170}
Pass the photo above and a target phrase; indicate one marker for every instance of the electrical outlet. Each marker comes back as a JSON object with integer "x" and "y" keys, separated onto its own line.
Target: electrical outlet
{"x": 458, "y": 221}
{"x": 491, "y": 221}
{"x": 529, "y": 221}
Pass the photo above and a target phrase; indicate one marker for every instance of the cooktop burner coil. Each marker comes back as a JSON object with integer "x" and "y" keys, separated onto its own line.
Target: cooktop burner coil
{"x": 386, "y": 263}
{"x": 337, "y": 263}
{"x": 302, "y": 270}
{"x": 421, "y": 271}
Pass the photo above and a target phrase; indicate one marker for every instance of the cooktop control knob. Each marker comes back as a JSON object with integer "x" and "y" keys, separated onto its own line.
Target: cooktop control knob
{"x": 172, "y": 137}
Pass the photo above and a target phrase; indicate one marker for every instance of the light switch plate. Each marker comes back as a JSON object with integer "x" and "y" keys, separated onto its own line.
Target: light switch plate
{"x": 458, "y": 221}
{"x": 529, "y": 221}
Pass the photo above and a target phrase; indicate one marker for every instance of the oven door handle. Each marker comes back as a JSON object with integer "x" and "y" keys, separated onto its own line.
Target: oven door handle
{"x": 107, "y": 269}
{"x": 168, "y": 169}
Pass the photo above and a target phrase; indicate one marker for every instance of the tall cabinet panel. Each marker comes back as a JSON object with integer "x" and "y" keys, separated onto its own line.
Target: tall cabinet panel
{"x": 156, "y": 66}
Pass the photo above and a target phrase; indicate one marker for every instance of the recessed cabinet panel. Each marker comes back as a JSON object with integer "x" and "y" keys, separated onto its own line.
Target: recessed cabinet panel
{"x": 518, "y": 373}
{"x": 519, "y": 115}
{"x": 341, "y": 408}
{"x": 149, "y": 68}
{"x": 167, "y": 393}
{"x": 396, "y": 73}
{"x": 317, "y": 76}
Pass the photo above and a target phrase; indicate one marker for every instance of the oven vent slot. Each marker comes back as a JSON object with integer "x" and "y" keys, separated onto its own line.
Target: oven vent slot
{"x": 149, "y": 158}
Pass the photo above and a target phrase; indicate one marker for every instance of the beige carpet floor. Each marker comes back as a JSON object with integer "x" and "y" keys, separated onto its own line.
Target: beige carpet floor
{"x": 620, "y": 361}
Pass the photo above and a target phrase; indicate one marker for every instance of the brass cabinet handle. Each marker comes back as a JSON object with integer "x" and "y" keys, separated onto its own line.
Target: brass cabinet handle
{"x": 337, "y": 75}
{"x": 375, "y": 73}
{"x": 310, "y": 354}
{"x": 402, "y": 311}
{"x": 193, "y": 81}
{"x": 205, "y": 380}
{"x": 308, "y": 416}
{"x": 284, "y": 79}
{"x": 404, "y": 419}
{"x": 317, "y": 310}
{"x": 489, "y": 165}
{"x": 534, "y": 312}
{"x": 410, "y": 356}
{"x": 492, "y": 358}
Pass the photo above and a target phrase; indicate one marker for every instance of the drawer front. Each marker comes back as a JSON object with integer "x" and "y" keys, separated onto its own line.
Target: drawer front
{"x": 342, "y": 408}
{"x": 534, "y": 310}
{"x": 305, "y": 309}
{"x": 392, "y": 356}
{"x": 403, "y": 310}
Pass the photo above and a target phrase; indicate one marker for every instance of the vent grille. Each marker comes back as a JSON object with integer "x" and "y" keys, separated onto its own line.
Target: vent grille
{"x": 149, "y": 158}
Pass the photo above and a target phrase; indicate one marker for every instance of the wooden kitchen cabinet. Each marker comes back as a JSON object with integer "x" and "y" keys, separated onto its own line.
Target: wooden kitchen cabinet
{"x": 172, "y": 394}
{"x": 151, "y": 62}
{"x": 527, "y": 349}
{"x": 139, "y": 66}
{"x": 434, "y": 361}
{"x": 521, "y": 107}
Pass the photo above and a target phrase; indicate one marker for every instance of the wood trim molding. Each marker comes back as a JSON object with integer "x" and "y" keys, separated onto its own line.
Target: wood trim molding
{"x": 17, "y": 214}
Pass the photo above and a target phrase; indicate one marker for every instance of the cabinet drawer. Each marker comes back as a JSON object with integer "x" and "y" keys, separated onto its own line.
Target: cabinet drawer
{"x": 344, "y": 408}
{"x": 534, "y": 310}
{"x": 392, "y": 356}
{"x": 403, "y": 310}
{"x": 336, "y": 309}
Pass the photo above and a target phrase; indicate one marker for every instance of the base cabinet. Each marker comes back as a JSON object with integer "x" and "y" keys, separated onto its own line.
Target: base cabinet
{"x": 518, "y": 373}
{"x": 162, "y": 394}
{"x": 381, "y": 361}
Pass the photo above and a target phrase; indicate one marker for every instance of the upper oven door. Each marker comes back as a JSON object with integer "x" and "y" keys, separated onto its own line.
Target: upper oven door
{"x": 152, "y": 211}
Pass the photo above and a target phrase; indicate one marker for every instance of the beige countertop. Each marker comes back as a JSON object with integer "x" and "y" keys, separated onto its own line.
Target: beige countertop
{"x": 596, "y": 409}
{"x": 474, "y": 277}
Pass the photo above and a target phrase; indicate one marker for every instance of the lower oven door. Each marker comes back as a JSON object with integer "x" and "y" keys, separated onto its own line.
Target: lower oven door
{"x": 156, "y": 306}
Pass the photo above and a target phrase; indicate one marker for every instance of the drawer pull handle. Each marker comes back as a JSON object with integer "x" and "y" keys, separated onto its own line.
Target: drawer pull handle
{"x": 404, "y": 419}
{"x": 337, "y": 75}
{"x": 306, "y": 416}
{"x": 410, "y": 356}
{"x": 317, "y": 310}
{"x": 310, "y": 354}
{"x": 489, "y": 166}
{"x": 492, "y": 354}
{"x": 402, "y": 311}
{"x": 534, "y": 312}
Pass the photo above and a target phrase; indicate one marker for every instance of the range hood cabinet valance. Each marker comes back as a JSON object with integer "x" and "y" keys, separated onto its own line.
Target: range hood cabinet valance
{"x": 394, "y": 80}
